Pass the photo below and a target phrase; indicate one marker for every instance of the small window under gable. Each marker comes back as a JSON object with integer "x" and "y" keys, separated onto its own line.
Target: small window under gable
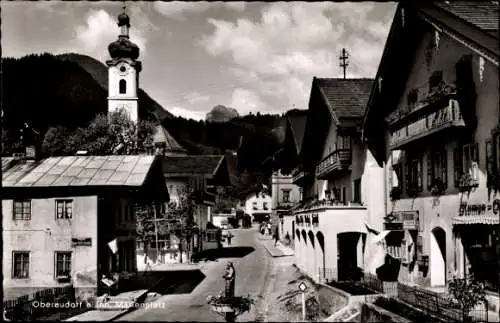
{"x": 122, "y": 86}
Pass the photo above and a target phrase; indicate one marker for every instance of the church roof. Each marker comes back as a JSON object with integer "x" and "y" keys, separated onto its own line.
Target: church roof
{"x": 162, "y": 136}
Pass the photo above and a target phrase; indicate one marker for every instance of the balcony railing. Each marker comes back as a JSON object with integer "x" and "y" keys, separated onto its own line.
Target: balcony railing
{"x": 300, "y": 176}
{"x": 337, "y": 160}
{"x": 430, "y": 123}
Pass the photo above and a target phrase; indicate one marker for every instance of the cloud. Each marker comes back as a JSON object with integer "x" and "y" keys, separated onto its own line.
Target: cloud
{"x": 187, "y": 113}
{"x": 178, "y": 9}
{"x": 294, "y": 41}
{"x": 195, "y": 98}
{"x": 100, "y": 29}
{"x": 246, "y": 101}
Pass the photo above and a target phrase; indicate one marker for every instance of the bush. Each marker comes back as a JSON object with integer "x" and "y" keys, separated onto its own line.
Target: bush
{"x": 467, "y": 293}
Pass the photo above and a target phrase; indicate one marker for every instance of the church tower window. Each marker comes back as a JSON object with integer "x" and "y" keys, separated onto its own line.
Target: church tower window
{"x": 123, "y": 86}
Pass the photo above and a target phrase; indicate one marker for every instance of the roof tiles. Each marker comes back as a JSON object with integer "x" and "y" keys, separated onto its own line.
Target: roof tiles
{"x": 346, "y": 97}
{"x": 78, "y": 171}
{"x": 191, "y": 165}
{"x": 482, "y": 14}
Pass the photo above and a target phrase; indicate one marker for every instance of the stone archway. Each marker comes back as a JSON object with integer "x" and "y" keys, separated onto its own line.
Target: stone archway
{"x": 349, "y": 255}
{"x": 437, "y": 261}
{"x": 321, "y": 242}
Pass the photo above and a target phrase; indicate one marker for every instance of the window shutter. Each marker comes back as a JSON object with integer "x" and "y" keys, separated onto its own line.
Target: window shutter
{"x": 489, "y": 161}
{"x": 475, "y": 153}
{"x": 444, "y": 168}
{"x": 429, "y": 171}
{"x": 420, "y": 174}
{"x": 407, "y": 175}
{"x": 457, "y": 164}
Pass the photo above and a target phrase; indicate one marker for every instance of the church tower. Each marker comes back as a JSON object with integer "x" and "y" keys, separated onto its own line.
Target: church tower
{"x": 123, "y": 71}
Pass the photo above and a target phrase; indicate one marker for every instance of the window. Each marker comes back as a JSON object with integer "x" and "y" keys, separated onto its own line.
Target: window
{"x": 122, "y": 86}
{"x": 465, "y": 160}
{"x": 254, "y": 205}
{"x": 413, "y": 174}
{"x": 357, "y": 190}
{"x": 63, "y": 263}
{"x": 437, "y": 168}
{"x": 21, "y": 264}
{"x": 286, "y": 195}
{"x": 343, "y": 142}
{"x": 264, "y": 205}
{"x": 22, "y": 209}
{"x": 64, "y": 209}
{"x": 212, "y": 236}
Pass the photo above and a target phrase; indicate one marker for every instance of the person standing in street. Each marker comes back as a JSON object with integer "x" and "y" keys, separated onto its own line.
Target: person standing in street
{"x": 229, "y": 237}
{"x": 276, "y": 236}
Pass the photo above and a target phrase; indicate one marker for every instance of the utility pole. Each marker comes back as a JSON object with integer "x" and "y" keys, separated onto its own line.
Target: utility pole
{"x": 343, "y": 60}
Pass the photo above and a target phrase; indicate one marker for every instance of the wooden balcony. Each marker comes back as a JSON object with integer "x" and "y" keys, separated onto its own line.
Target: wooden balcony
{"x": 301, "y": 177}
{"x": 429, "y": 123}
{"x": 340, "y": 159}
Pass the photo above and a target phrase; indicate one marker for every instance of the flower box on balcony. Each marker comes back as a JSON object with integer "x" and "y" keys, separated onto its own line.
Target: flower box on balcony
{"x": 466, "y": 182}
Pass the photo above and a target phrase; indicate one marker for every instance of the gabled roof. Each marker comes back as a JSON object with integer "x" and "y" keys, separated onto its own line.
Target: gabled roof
{"x": 185, "y": 166}
{"x": 297, "y": 124}
{"x": 80, "y": 171}
{"x": 469, "y": 23}
{"x": 347, "y": 98}
{"x": 482, "y": 14}
{"x": 161, "y": 135}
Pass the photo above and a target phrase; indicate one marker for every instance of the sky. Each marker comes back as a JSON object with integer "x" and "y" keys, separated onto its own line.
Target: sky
{"x": 251, "y": 56}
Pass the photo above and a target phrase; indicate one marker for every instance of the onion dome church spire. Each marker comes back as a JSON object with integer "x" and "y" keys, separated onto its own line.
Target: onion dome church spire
{"x": 123, "y": 71}
{"x": 123, "y": 47}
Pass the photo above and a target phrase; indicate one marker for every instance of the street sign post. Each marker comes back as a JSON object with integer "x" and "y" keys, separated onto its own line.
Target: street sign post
{"x": 303, "y": 288}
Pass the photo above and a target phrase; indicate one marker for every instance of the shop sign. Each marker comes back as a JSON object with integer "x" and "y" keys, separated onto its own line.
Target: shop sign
{"x": 469, "y": 209}
{"x": 406, "y": 220}
{"x": 393, "y": 226}
{"x": 81, "y": 242}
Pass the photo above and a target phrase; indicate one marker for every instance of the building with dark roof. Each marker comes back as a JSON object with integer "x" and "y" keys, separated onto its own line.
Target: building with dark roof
{"x": 329, "y": 222}
{"x": 433, "y": 120}
{"x": 69, "y": 209}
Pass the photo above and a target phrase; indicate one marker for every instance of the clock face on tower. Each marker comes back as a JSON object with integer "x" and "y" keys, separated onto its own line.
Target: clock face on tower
{"x": 123, "y": 70}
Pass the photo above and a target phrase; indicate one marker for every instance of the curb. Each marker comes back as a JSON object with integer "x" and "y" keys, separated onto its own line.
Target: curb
{"x": 274, "y": 255}
{"x": 140, "y": 299}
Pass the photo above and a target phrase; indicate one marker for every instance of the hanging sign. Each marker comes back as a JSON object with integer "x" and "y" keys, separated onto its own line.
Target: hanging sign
{"x": 469, "y": 209}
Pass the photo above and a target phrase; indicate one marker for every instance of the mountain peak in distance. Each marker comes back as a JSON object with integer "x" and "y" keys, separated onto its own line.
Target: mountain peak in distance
{"x": 221, "y": 113}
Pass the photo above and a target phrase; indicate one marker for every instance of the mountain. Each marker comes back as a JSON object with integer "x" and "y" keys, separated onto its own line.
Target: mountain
{"x": 221, "y": 113}
{"x": 99, "y": 72}
{"x": 69, "y": 90}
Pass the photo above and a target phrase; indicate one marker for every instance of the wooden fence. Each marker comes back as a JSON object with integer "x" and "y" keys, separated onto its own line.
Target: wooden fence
{"x": 31, "y": 307}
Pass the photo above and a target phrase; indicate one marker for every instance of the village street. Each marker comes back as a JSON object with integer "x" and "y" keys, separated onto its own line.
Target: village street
{"x": 253, "y": 275}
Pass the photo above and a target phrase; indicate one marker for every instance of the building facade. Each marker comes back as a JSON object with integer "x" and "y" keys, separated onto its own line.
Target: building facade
{"x": 258, "y": 206}
{"x": 439, "y": 112}
{"x": 285, "y": 195}
{"x": 77, "y": 211}
{"x": 333, "y": 165}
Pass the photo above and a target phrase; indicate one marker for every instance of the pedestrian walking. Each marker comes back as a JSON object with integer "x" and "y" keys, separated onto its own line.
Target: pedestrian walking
{"x": 276, "y": 236}
{"x": 229, "y": 237}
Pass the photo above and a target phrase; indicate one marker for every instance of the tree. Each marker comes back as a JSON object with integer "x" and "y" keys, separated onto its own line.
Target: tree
{"x": 180, "y": 215}
{"x": 109, "y": 134}
{"x": 468, "y": 293}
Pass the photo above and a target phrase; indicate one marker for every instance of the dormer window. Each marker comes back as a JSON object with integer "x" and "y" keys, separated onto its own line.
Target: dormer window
{"x": 122, "y": 86}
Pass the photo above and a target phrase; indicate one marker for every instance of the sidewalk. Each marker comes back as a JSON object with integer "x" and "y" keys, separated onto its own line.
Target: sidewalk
{"x": 117, "y": 306}
{"x": 276, "y": 251}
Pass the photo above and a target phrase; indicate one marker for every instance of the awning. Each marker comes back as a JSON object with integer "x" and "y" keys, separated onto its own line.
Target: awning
{"x": 477, "y": 219}
{"x": 381, "y": 236}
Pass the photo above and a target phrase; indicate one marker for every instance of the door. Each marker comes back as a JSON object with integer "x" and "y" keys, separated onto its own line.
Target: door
{"x": 347, "y": 249}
